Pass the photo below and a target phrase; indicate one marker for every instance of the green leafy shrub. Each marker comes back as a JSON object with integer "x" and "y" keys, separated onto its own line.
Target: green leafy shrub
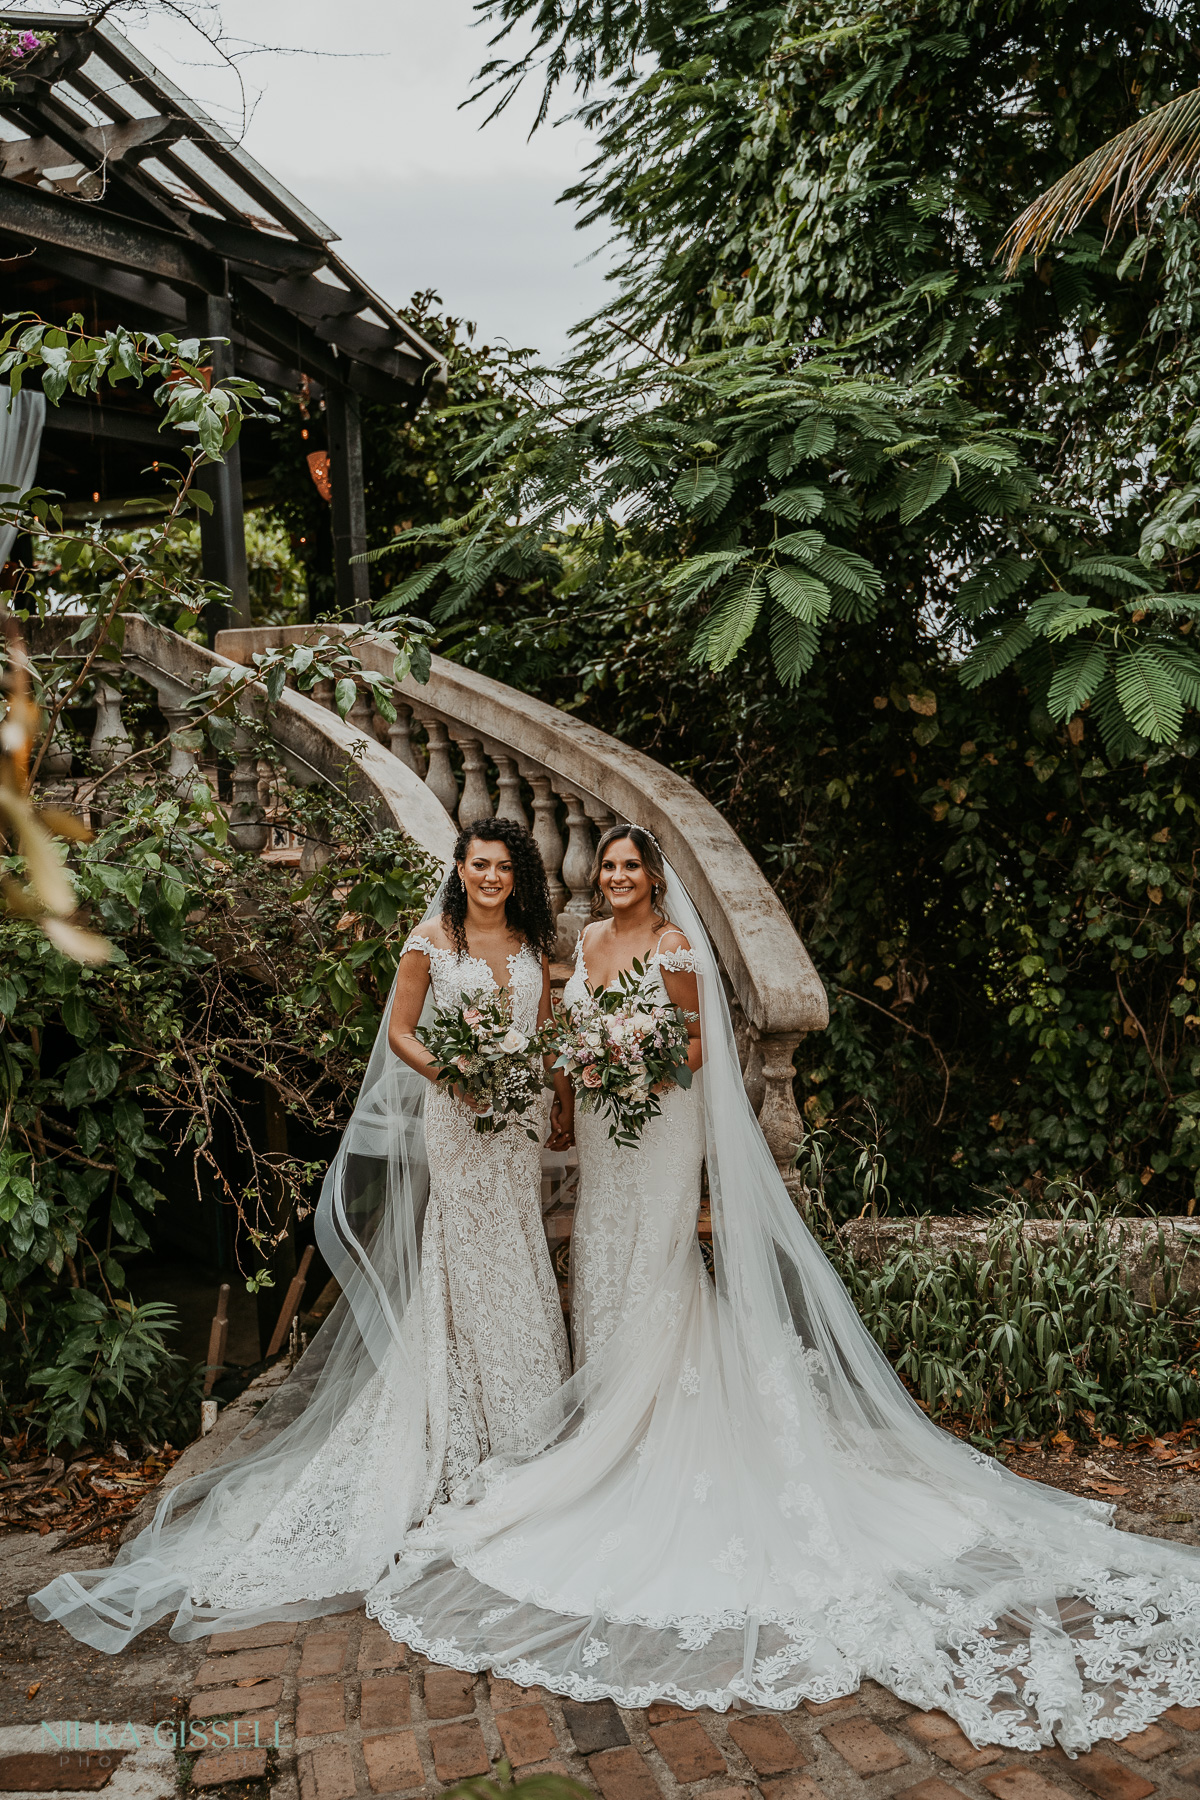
{"x": 1023, "y": 1336}
{"x": 223, "y": 966}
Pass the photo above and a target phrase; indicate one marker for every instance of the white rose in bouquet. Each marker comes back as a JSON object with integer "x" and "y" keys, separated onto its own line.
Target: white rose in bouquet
{"x": 514, "y": 1041}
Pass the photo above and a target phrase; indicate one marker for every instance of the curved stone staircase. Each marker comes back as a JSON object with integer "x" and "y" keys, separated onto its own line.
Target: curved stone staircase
{"x": 465, "y": 747}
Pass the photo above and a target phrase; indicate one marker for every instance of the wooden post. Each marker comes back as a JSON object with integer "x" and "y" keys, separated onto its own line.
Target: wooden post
{"x": 223, "y": 531}
{"x": 344, "y": 429}
{"x": 217, "y": 1338}
{"x": 291, "y": 1305}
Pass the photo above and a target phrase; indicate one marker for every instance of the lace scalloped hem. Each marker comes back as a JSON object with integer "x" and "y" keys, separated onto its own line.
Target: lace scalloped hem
{"x": 1097, "y": 1671}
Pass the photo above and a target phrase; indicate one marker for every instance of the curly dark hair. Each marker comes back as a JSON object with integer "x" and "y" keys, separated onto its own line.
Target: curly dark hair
{"x": 527, "y": 908}
{"x": 652, "y": 862}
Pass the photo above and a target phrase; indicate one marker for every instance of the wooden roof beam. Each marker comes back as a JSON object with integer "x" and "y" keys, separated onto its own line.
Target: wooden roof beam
{"x": 73, "y": 418}
{"x": 105, "y": 143}
{"x": 48, "y": 219}
{"x": 301, "y": 346}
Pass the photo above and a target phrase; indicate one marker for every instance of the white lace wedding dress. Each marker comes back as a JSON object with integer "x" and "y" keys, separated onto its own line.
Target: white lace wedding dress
{"x": 494, "y": 1344}
{"x": 637, "y": 1207}
{"x": 449, "y": 1335}
{"x": 737, "y": 1501}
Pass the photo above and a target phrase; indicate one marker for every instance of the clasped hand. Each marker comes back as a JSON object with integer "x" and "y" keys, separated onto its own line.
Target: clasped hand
{"x": 562, "y": 1131}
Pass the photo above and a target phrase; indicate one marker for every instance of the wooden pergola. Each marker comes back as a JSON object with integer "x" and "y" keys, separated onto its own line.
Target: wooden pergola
{"x": 122, "y": 200}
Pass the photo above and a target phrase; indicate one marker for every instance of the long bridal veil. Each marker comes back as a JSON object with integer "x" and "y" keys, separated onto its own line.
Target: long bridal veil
{"x": 302, "y": 1513}
{"x": 735, "y": 1500}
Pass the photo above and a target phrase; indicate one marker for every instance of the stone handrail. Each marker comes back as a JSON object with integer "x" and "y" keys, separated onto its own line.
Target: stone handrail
{"x": 316, "y": 745}
{"x": 776, "y": 992}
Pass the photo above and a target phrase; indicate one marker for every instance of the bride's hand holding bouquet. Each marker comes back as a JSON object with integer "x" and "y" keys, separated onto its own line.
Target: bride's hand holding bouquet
{"x": 622, "y": 1052}
{"x": 486, "y": 1060}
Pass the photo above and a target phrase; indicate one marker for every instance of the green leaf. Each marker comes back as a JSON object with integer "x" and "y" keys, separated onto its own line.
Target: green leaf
{"x": 801, "y": 503}
{"x": 1057, "y": 615}
{"x": 77, "y": 1017}
{"x": 794, "y": 645}
{"x": 814, "y": 436}
{"x": 923, "y": 486}
{"x": 397, "y": 599}
{"x": 732, "y": 620}
{"x": 994, "y": 653}
{"x": 1078, "y": 678}
{"x": 985, "y": 587}
{"x": 800, "y": 594}
{"x": 343, "y": 695}
{"x": 383, "y": 703}
{"x": 703, "y": 491}
{"x": 849, "y": 570}
{"x": 1149, "y": 695}
{"x": 1183, "y": 660}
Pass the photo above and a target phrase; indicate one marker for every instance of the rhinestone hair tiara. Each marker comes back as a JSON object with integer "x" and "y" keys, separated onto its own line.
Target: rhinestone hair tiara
{"x": 632, "y": 825}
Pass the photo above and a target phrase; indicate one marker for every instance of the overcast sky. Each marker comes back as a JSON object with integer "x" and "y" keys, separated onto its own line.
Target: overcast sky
{"x": 373, "y": 142}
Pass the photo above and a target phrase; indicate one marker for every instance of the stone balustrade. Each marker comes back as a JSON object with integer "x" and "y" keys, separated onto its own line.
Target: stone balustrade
{"x": 478, "y": 749}
{"x": 316, "y": 746}
{"x": 464, "y": 747}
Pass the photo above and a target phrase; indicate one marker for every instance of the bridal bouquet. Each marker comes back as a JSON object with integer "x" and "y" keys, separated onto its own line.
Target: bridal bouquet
{"x": 616, "y": 1047}
{"x": 492, "y": 1060}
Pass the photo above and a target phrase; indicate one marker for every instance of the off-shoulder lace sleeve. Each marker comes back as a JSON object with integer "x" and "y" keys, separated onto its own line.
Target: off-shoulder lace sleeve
{"x": 415, "y": 941}
{"x": 675, "y": 962}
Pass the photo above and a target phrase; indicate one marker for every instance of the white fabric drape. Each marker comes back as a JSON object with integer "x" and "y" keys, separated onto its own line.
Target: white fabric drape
{"x": 20, "y": 443}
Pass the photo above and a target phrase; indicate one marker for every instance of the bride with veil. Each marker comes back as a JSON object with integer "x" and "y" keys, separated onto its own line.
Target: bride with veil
{"x": 732, "y": 1500}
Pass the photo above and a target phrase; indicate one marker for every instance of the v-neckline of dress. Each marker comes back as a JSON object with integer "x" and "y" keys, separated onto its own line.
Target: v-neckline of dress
{"x": 481, "y": 962}
{"x": 609, "y": 985}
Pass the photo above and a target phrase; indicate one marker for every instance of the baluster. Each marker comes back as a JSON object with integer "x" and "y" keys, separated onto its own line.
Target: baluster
{"x": 111, "y": 743}
{"x": 510, "y": 804}
{"x": 577, "y": 869}
{"x": 600, "y": 816}
{"x": 322, "y": 692}
{"x": 548, "y": 838}
{"x": 184, "y": 766}
{"x": 247, "y": 828}
{"x": 440, "y": 776}
{"x": 476, "y": 802}
{"x": 400, "y": 738}
{"x": 60, "y": 753}
{"x": 779, "y": 1115}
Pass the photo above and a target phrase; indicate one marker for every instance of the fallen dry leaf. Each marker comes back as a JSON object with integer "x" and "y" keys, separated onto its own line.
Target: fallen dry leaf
{"x": 1112, "y": 1488}
{"x": 31, "y": 1691}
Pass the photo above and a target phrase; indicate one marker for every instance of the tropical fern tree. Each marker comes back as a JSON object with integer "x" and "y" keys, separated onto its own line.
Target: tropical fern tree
{"x": 762, "y": 491}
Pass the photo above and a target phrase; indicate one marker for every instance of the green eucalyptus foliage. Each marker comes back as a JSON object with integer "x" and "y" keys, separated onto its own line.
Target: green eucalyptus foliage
{"x": 114, "y": 1079}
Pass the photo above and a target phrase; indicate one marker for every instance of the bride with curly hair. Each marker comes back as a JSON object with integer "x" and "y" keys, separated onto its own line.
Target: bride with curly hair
{"x": 495, "y": 1344}
{"x": 448, "y": 1335}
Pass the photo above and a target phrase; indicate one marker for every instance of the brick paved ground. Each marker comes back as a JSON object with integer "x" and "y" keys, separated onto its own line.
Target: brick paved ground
{"x": 359, "y": 1716}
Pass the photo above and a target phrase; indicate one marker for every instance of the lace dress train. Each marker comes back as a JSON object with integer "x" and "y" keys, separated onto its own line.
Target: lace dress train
{"x": 736, "y": 1501}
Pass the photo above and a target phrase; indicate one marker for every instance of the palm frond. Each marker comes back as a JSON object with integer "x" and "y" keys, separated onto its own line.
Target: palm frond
{"x": 1157, "y": 157}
